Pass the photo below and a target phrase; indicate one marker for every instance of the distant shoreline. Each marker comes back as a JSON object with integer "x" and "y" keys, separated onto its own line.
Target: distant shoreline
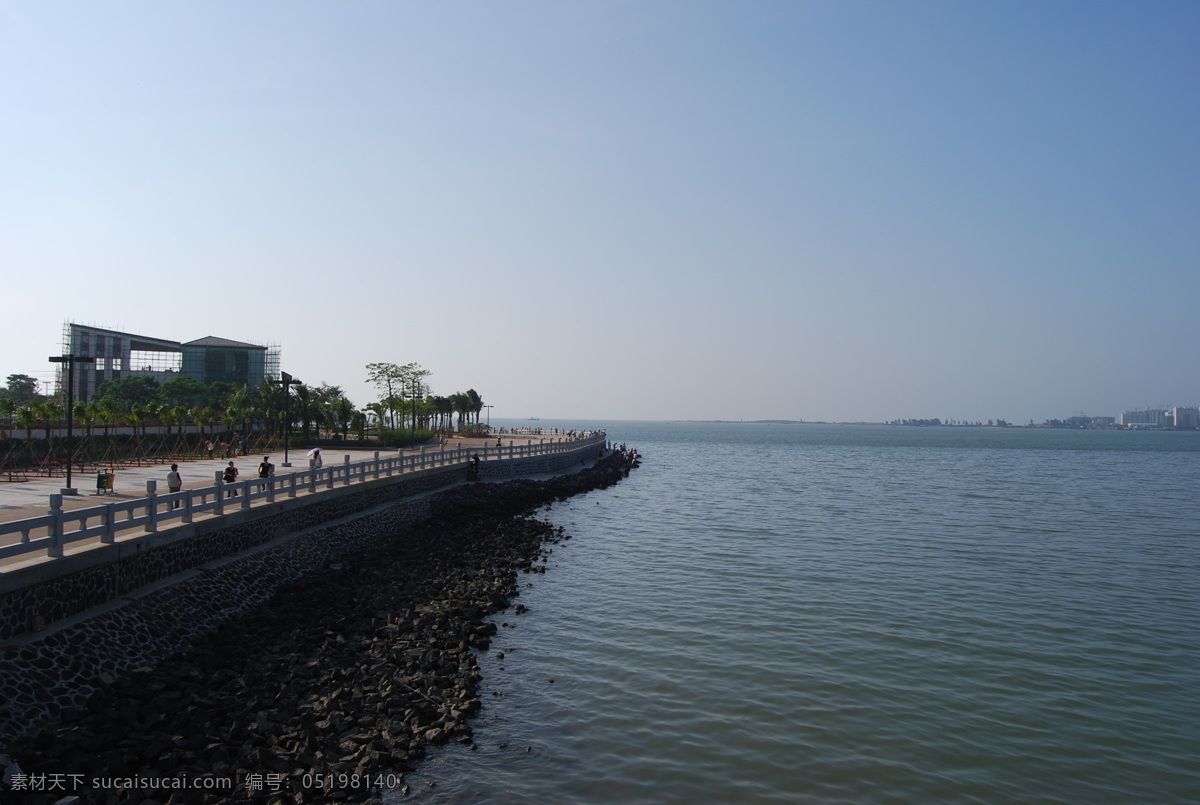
{"x": 762, "y": 422}
{"x": 1006, "y": 426}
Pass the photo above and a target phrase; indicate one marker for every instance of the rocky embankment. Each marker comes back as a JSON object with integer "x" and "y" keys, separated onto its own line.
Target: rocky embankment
{"x": 336, "y": 685}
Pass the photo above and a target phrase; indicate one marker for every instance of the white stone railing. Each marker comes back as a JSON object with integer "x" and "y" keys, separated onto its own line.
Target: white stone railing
{"x": 156, "y": 510}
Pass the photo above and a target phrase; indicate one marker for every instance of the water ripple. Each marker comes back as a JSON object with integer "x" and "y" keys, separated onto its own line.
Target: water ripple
{"x": 858, "y": 615}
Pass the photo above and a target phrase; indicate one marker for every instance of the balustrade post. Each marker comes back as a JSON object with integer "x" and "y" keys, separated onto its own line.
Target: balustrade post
{"x": 376, "y": 466}
{"x": 247, "y": 491}
{"x": 312, "y": 476}
{"x": 151, "y": 506}
{"x": 110, "y": 526}
{"x": 220, "y": 492}
{"x": 188, "y": 511}
{"x": 292, "y": 485}
{"x": 347, "y": 463}
{"x": 271, "y": 487}
{"x": 55, "y": 529}
{"x": 422, "y": 456}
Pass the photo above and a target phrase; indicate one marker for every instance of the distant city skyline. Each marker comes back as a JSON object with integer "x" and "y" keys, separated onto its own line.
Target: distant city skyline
{"x": 597, "y": 210}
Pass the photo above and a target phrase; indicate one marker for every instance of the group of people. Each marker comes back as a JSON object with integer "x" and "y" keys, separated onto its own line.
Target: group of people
{"x": 266, "y": 471}
{"x": 230, "y": 448}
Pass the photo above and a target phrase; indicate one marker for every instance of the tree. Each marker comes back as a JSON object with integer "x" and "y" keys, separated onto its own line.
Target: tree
{"x": 49, "y": 412}
{"x": 137, "y": 416}
{"x": 106, "y": 413}
{"x": 22, "y": 389}
{"x": 399, "y": 383}
{"x": 182, "y": 391}
{"x": 169, "y": 416}
{"x": 387, "y": 377}
{"x": 475, "y": 403}
{"x": 343, "y": 412}
{"x": 444, "y": 410}
{"x": 87, "y": 414}
{"x": 239, "y": 407}
{"x": 378, "y": 409}
{"x": 26, "y": 417}
{"x": 128, "y": 391}
{"x": 304, "y": 409}
{"x": 269, "y": 406}
{"x": 461, "y": 404}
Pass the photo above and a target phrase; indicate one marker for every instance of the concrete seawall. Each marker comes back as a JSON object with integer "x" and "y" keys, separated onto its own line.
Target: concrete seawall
{"x": 106, "y": 612}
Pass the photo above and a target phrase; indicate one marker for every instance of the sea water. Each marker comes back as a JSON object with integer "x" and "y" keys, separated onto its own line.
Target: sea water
{"x": 820, "y": 614}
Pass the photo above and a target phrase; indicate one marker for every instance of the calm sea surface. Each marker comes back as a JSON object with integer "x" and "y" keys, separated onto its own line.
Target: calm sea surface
{"x": 825, "y": 614}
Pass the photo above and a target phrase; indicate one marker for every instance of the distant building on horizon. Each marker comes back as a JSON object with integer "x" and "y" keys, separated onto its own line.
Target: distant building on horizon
{"x": 119, "y": 354}
{"x": 1186, "y": 416}
{"x": 1146, "y": 418}
{"x": 1180, "y": 417}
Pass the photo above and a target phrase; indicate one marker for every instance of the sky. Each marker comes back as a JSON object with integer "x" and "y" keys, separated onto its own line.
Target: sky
{"x": 838, "y": 211}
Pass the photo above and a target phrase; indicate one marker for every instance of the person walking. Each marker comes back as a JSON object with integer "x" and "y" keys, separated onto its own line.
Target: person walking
{"x": 174, "y": 483}
{"x": 265, "y": 470}
{"x": 209, "y": 447}
{"x": 230, "y": 477}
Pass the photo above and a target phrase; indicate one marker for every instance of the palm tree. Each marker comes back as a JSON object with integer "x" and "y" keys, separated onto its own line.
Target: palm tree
{"x": 461, "y": 404}
{"x": 152, "y": 409}
{"x": 136, "y": 416}
{"x": 303, "y": 410}
{"x": 342, "y": 411}
{"x": 87, "y": 413}
{"x": 379, "y": 410}
{"x": 200, "y": 415}
{"x": 168, "y": 416}
{"x": 269, "y": 408}
{"x": 443, "y": 409}
{"x": 106, "y": 413}
{"x": 476, "y": 403}
{"x": 49, "y": 412}
{"x": 26, "y": 417}
{"x": 238, "y": 408}
{"x": 180, "y": 415}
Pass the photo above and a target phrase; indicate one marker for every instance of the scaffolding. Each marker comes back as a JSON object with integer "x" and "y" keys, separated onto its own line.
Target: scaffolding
{"x": 119, "y": 354}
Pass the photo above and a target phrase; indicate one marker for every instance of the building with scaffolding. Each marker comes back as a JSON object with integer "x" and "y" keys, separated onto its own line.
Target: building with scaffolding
{"x": 118, "y": 354}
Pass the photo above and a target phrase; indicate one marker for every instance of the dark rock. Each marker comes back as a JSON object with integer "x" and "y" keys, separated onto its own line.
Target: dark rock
{"x": 355, "y": 669}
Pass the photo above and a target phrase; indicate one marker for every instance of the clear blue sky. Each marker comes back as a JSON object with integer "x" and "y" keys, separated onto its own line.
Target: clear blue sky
{"x": 623, "y": 210}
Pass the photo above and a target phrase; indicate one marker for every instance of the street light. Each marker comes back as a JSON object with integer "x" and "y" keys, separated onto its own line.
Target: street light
{"x": 70, "y": 360}
{"x": 489, "y": 418}
{"x": 286, "y": 380}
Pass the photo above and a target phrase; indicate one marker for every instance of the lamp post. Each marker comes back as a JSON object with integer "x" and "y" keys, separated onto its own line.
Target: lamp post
{"x": 70, "y": 360}
{"x": 285, "y": 380}
{"x": 489, "y": 418}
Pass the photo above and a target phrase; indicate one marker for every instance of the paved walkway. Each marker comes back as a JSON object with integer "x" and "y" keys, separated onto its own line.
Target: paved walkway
{"x": 23, "y": 499}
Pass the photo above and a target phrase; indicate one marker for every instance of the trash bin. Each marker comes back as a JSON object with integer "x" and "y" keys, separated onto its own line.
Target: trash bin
{"x": 101, "y": 482}
{"x": 108, "y": 480}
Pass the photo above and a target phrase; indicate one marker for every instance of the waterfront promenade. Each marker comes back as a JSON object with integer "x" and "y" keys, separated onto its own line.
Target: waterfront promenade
{"x": 32, "y": 498}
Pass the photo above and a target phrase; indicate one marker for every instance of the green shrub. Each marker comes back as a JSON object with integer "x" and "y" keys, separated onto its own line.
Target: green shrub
{"x": 403, "y": 438}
